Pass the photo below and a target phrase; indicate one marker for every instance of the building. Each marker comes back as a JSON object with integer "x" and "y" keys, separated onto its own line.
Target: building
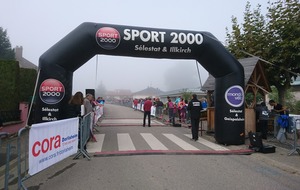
{"x": 295, "y": 88}
{"x": 148, "y": 92}
{"x": 256, "y": 85}
{"x": 255, "y": 81}
{"x": 24, "y": 63}
{"x": 118, "y": 94}
{"x": 179, "y": 92}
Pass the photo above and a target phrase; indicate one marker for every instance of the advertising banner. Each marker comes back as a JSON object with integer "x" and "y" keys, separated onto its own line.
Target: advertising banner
{"x": 52, "y": 142}
{"x": 88, "y": 39}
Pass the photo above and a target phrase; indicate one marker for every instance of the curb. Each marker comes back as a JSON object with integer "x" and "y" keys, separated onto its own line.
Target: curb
{"x": 173, "y": 152}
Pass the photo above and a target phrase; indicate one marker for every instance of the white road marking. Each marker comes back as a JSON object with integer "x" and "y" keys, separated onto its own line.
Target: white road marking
{"x": 184, "y": 145}
{"x": 208, "y": 143}
{"x": 153, "y": 142}
{"x": 125, "y": 142}
{"x": 93, "y": 147}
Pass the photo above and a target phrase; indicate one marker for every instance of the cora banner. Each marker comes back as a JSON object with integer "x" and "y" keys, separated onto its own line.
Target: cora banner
{"x": 52, "y": 142}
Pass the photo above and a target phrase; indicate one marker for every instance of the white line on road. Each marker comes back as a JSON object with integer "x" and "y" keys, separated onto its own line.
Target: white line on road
{"x": 125, "y": 142}
{"x": 184, "y": 145}
{"x": 208, "y": 143}
{"x": 93, "y": 147}
{"x": 153, "y": 142}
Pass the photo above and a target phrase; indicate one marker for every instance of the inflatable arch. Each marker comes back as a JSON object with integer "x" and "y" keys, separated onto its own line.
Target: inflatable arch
{"x": 54, "y": 87}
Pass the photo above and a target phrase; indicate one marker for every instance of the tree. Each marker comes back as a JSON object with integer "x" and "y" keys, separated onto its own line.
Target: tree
{"x": 274, "y": 37}
{"x": 6, "y": 52}
{"x": 283, "y": 30}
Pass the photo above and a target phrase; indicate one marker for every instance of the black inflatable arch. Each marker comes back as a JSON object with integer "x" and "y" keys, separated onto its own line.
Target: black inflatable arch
{"x": 57, "y": 65}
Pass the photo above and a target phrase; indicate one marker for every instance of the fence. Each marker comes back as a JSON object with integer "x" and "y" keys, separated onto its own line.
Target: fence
{"x": 7, "y": 152}
{"x": 17, "y": 163}
{"x": 86, "y": 124}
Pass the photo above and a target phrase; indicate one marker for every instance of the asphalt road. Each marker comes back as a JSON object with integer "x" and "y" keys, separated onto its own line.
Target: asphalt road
{"x": 163, "y": 171}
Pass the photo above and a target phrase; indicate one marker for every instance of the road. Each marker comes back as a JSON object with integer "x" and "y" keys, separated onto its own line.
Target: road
{"x": 140, "y": 167}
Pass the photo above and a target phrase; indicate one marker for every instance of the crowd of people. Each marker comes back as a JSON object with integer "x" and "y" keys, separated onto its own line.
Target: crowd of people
{"x": 186, "y": 111}
{"x": 178, "y": 110}
{"x": 80, "y": 106}
{"x": 174, "y": 109}
{"x": 263, "y": 114}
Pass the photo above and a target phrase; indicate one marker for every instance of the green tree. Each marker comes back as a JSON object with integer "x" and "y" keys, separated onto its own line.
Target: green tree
{"x": 274, "y": 37}
{"x": 186, "y": 95}
{"x": 283, "y": 30}
{"x": 6, "y": 52}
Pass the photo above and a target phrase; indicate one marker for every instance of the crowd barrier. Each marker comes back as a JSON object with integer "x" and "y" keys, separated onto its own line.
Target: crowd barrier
{"x": 85, "y": 134}
{"x": 7, "y": 147}
{"x": 141, "y": 108}
{"x": 41, "y": 145}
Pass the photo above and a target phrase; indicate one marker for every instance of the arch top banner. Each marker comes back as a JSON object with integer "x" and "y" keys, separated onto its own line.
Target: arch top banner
{"x": 148, "y": 42}
{"x": 59, "y": 62}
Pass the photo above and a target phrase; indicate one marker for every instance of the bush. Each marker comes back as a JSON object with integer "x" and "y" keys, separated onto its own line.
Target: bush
{"x": 9, "y": 85}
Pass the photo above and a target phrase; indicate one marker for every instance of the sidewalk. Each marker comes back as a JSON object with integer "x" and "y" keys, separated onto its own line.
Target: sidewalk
{"x": 280, "y": 159}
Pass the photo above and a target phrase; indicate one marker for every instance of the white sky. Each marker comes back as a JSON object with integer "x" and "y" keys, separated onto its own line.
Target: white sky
{"x": 38, "y": 24}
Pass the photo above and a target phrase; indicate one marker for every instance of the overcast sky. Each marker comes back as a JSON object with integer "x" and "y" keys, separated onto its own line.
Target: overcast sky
{"x": 39, "y": 24}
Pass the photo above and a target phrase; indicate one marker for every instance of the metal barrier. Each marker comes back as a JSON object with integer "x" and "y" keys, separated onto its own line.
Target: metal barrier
{"x": 22, "y": 156}
{"x": 85, "y": 127}
{"x": 295, "y": 146}
{"x": 24, "y": 146}
{"x": 4, "y": 135}
{"x": 8, "y": 154}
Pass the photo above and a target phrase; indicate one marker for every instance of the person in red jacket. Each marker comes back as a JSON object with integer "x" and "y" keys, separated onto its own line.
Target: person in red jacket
{"x": 147, "y": 111}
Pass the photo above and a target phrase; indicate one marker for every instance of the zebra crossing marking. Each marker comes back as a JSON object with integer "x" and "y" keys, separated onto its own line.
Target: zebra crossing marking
{"x": 96, "y": 146}
{"x": 153, "y": 142}
{"x": 125, "y": 142}
{"x": 184, "y": 145}
{"x": 208, "y": 143}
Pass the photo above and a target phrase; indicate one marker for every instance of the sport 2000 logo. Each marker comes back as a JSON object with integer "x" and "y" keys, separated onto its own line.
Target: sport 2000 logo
{"x": 51, "y": 91}
{"x": 108, "y": 38}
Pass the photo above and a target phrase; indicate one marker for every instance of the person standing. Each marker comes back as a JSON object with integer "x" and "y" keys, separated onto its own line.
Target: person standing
{"x": 170, "y": 108}
{"x": 87, "y": 102}
{"x": 263, "y": 119}
{"x": 135, "y": 103}
{"x": 182, "y": 107}
{"x": 195, "y": 108}
{"x": 159, "y": 108}
{"x": 147, "y": 111}
{"x": 204, "y": 103}
{"x": 74, "y": 110}
{"x": 177, "y": 110}
{"x": 280, "y": 121}
{"x": 74, "y": 105}
{"x": 277, "y": 108}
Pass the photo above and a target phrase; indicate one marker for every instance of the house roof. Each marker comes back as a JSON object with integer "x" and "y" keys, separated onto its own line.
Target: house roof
{"x": 179, "y": 92}
{"x": 23, "y": 63}
{"x": 150, "y": 91}
{"x": 119, "y": 92}
{"x": 254, "y": 75}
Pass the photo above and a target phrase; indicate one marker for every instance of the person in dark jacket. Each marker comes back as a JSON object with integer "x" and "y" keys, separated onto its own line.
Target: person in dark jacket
{"x": 195, "y": 108}
{"x": 74, "y": 106}
{"x": 263, "y": 117}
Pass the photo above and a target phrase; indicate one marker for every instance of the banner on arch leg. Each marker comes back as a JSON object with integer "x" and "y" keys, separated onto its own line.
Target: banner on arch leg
{"x": 52, "y": 142}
